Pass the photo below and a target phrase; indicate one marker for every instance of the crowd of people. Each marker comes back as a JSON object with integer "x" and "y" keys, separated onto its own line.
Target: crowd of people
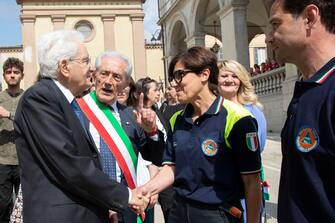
{"x": 89, "y": 144}
{"x": 264, "y": 67}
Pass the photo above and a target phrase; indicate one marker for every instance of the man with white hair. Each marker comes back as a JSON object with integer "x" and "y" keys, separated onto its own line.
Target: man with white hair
{"x": 116, "y": 133}
{"x": 62, "y": 177}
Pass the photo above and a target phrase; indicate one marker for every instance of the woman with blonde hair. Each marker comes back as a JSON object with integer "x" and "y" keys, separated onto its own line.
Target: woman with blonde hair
{"x": 234, "y": 84}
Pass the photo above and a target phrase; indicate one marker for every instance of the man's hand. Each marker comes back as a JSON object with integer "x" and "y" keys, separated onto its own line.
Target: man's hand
{"x": 4, "y": 113}
{"x": 145, "y": 117}
{"x": 138, "y": 202}
{"x": 153, "y": 199}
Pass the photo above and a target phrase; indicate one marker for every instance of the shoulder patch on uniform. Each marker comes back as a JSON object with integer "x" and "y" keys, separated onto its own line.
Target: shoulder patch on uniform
{"x": 209, "y": 147}
{"x": 252, "y": 141}
{"x": 307, "y": 139}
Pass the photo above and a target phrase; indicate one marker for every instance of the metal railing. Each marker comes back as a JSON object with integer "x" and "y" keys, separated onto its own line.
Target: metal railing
{"x": 269, "y": 82}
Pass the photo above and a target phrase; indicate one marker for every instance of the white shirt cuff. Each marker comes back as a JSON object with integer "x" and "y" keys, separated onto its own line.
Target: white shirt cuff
{"x": 129, "y": 197}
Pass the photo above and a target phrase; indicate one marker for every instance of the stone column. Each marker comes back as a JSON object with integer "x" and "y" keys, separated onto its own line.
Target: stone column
{"x": 288, "y": 86}
{"x": 58, "y": 21}
{"x": 234, "y": 31}
{"x": 138, "y": 45}
{"x": 29, "y": 50}
{"x": 109, "y": 37}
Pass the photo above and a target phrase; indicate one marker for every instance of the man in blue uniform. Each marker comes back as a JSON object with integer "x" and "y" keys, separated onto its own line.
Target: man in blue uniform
{"x": 303, "y": 33}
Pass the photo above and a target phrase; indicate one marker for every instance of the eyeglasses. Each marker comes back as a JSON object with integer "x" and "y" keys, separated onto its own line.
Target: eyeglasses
{"x": 178, "y": 75}
{"x": 85, "y": 61}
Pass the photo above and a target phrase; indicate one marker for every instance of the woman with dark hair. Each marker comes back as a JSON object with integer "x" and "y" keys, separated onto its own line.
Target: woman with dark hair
{"x": 150, "y": 89}
{"x": 212, "y": 152}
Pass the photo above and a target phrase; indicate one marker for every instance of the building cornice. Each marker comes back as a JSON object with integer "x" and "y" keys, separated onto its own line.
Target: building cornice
{"x": 11, "y": 49}
{"x": 77, "y": 2}
{"x": 137, "y": 16}
{"x": 28, "y": 18}
{"x": 108, "y": 17}
{"x": 79, "y": 12}
{"x": 153, "y": 46}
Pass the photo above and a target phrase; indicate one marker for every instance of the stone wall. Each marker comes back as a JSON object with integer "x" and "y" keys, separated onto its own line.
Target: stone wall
{"x": 274, "y": 90}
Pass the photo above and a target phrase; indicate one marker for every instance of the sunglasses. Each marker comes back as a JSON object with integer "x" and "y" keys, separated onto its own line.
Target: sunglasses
{"x": 178, "y": 75}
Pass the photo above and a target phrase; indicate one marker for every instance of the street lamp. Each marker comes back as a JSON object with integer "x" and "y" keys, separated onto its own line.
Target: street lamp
{"x": 216, "y": 47}
{"x": 156, "y": 36}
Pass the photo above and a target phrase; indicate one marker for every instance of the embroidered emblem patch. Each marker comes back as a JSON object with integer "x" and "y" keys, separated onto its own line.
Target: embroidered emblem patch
{"x": 252, "y": 141}
{"x": 209, "y": 147}
{"x": 307, "y": 139}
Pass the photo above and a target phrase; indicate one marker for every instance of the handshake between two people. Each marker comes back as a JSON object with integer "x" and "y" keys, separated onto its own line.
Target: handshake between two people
{"x": 141, "y": 200}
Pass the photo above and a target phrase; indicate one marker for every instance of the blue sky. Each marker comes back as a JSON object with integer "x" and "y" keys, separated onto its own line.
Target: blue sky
{"x": 10, "y": 24}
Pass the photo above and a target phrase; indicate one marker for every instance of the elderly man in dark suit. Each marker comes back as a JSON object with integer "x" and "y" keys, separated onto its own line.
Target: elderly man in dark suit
{"x": 62, "y": 177}
{"x": 110, "y": 119}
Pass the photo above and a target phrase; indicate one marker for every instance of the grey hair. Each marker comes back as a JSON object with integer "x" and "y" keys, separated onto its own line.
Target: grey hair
{"x": 55, "y": 46}
{"x": 114, "y": 54}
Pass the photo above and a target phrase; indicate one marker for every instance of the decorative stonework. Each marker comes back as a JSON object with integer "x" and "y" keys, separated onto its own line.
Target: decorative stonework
{"x": 137, "y": 17}
{"x": 83, "y": 22}
{"x": 108, "y": 17}
{"x": 11, "y": 49}
{"x": 71, "y": 3}
{"x": 58, "y": 18}
{"x": 153, "y": 46}
{"x": 28, "y": 18}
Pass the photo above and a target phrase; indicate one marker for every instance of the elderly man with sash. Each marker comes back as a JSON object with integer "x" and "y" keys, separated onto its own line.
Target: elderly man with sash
{"x": 117, "y": 133}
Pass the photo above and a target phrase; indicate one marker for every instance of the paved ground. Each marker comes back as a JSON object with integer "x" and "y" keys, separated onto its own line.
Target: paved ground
{"x": 271, "y": 158}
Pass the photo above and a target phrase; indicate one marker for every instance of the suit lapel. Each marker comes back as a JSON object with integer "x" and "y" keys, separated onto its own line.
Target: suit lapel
{"x": 74, "y": 122}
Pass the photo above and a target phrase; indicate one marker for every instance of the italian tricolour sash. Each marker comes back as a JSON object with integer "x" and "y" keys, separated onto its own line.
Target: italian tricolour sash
{"x": 113, "y": 134}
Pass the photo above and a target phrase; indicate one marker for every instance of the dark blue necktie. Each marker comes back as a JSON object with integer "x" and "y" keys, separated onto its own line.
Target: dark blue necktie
{"x": 83, "y": 120}
{"x": 108, "y": 160}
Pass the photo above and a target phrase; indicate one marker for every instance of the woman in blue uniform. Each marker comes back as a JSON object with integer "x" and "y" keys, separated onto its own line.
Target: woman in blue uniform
{"x": 212, "y": 152}
{"x": 234, "y": 84}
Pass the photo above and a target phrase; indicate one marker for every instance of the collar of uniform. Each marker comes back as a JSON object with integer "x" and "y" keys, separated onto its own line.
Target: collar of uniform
{"x": 321, "y": 75}
{"x": 212, "y": 110}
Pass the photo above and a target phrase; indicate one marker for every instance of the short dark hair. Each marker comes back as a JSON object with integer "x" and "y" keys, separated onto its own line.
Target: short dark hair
{"x": 143, "y": 86}
{"x": 197, "y": 59}
{"x": 326, "y": 7}
{"x": 12, "y": 62}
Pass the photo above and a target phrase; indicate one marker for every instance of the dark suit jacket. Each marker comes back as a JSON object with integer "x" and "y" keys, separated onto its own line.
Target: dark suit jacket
{"x": 150, "y": 150}
{"x": 61, "y": 176}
